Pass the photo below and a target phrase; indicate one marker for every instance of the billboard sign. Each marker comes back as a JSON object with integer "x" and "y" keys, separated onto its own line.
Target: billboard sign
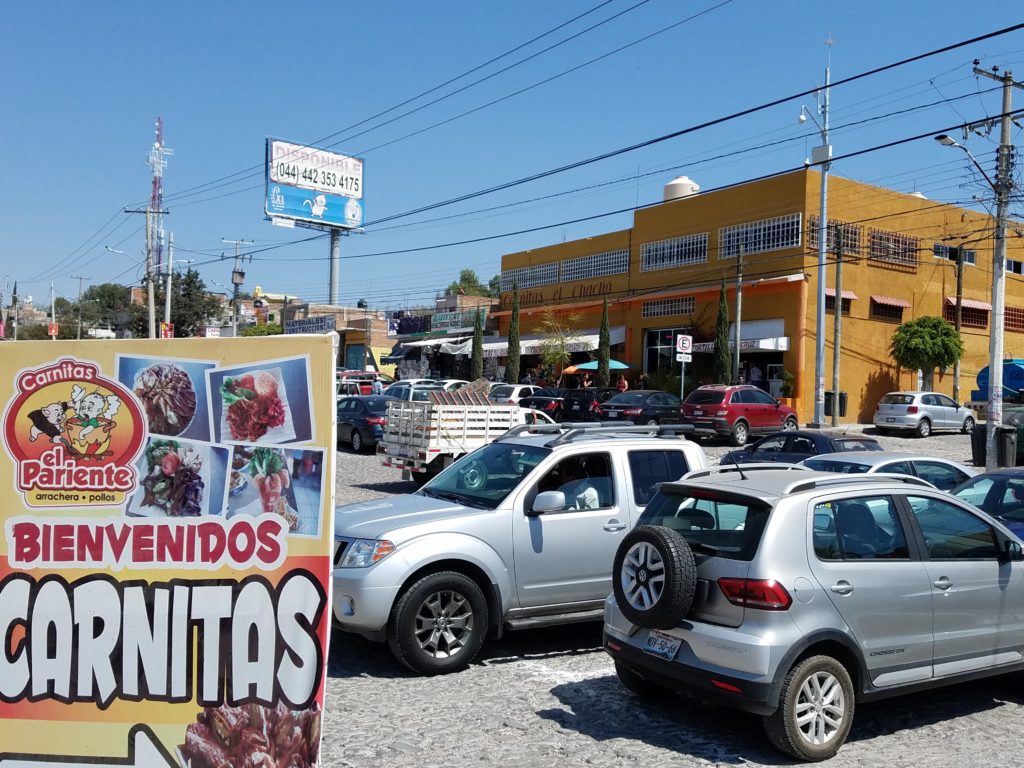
{"x": 313, "y": 187}
{"x": 315, "y": 324}
{"x": 166, "y": 514}
{"x": 460, "y": 320}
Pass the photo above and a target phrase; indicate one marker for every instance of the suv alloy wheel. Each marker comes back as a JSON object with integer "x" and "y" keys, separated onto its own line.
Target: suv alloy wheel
{"x": 740, "y": 434}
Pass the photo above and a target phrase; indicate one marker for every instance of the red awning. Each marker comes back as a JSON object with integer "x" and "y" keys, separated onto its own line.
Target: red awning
{"x": 889, "y": 301}
{"x": 846, "y": 294}
{"x": 970, "y": 303}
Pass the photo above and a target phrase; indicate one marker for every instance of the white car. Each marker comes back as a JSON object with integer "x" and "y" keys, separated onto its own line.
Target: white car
{"x": 510, "y": 394}
{"x": 942, "y": 473}
{"x": 450, "y": 385}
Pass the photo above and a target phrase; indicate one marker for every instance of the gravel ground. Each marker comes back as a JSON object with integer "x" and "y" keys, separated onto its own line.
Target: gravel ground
{"x": 550, "y": 697}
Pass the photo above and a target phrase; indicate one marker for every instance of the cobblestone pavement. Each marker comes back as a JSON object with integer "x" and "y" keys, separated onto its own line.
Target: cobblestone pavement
{"x": 546, "y": 698}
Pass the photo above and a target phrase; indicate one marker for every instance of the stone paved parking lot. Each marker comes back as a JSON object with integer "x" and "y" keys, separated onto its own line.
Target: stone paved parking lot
{"x": 550, "y": 698}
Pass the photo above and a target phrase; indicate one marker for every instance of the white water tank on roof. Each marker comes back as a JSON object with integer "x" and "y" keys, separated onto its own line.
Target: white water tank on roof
{"x": 680, "y": 186}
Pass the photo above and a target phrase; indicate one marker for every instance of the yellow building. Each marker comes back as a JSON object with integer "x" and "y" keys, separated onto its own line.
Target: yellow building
{"x": 663, "y": 276}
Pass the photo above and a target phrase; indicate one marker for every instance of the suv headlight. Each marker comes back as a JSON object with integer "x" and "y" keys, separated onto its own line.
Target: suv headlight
{"x": 363, "y": 553}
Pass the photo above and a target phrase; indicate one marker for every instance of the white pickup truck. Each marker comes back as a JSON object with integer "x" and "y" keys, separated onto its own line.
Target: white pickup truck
{"x": 423, "y": 438}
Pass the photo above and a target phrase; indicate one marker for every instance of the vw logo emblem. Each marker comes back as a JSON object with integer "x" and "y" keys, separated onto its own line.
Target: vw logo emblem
{"x": 641, "y": 576}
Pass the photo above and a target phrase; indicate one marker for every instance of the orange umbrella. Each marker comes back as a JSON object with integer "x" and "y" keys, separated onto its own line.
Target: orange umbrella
{"x": 570, "y": 369}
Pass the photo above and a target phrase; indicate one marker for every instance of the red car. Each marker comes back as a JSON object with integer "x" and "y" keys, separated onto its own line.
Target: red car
{"x": 364, "y": 379}
{"x": 735, "y": 411}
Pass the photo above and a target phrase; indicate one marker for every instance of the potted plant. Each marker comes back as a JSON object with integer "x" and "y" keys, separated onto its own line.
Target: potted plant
{"x": 787, "y": 389}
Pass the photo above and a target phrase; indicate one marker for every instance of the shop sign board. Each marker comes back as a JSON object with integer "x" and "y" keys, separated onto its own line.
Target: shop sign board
{"x": 167, "y": 531}
{"x": 315, "y": 324}
{"x": 313, "y": 187}
{"x": 456, "y": 321}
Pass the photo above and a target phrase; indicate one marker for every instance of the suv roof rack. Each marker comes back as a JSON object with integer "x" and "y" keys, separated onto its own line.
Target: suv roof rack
{"x": 740, "y": 468}
{"x": 838, "y": 478}
{"x": 567, "y": 432}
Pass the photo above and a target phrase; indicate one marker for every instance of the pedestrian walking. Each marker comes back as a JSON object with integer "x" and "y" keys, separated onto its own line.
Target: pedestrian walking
{"x": 377, "y": 388}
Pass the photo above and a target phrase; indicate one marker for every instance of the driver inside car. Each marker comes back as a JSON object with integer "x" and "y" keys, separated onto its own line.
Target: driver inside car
{"x": 579, "y": 492}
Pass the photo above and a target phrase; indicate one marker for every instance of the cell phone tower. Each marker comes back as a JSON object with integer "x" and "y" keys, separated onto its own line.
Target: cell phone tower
{"x": 156, "y": 199}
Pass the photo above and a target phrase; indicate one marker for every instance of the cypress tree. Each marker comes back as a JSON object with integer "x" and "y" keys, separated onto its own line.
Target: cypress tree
{"x": 603, "y": 348}
{"x": 723, "y": 357}
{"x": 512, "y": 369}
{"x": 476, "y": 367}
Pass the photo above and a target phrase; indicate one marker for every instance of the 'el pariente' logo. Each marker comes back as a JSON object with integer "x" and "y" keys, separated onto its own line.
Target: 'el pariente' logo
{"x": 74, "y": 436}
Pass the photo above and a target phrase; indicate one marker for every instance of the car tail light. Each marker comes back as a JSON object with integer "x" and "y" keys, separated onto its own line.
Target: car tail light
{"x": 376, "y": 421}
{"x": 551, "y": 406}
{"x": 632, "y": 411}
{"x": 766, "y": 594}
{"x": 911, "y": 409}
{"x": 594, "y": 406}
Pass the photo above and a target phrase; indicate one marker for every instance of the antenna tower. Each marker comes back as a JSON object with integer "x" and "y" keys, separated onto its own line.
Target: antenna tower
{"x": 157, "y": 163}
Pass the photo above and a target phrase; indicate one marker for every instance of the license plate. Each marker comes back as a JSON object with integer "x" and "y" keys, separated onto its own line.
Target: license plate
{"x": 662, "y": 645}
{"x": 575, "y": 406}
{"x": 889, "y": 420}
{"x": 612, "y": 414}
{"x": 698, "y": 413}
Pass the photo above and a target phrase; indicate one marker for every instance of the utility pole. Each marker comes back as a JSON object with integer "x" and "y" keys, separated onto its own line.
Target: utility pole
{"x": 838, "y": 328}
{"x": 237, "y": 279}
{"x": 1003, "y": 185}
{"x": 739, "y": 311}
{"x": 53, "y": 315}
{"x": 150, "y": 298}
{"x": 170, "y": 271}
{"x": 958, "y": 254}
{"x": 79, "y": 278}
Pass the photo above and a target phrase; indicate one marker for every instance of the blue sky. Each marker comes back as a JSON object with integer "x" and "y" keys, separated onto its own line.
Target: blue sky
{"x": 83, "y": 84}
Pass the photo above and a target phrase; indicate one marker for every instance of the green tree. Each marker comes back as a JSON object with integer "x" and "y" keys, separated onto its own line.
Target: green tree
{"x": 494, "y": 286}
{"x": 722, "y": 365}
{"x": 926, "y": 343}
{"x": 559, "y": 336}
{"x": 604, "y": 350}
{"x": 476, "y": 366}
{"x": 514, "y": 350}
{"x": 267, "y": 329}
{"x": 192, "y": 306}
{"x": 468, "y": 284}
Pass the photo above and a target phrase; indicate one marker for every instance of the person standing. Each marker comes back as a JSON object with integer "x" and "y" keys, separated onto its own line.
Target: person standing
{"x": 377, "y": 388}
{"x": 756, "y": 377}
{"x": 622, "y": 385}
{"x": 642, "y": 381}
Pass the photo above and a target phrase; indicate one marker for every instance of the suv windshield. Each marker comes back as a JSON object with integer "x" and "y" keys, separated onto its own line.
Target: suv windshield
{"x": 705, "y": 397}
{"x": 711, "y": 521}
{"x": 501, "y": 391}
{"x": 485, "y": 477}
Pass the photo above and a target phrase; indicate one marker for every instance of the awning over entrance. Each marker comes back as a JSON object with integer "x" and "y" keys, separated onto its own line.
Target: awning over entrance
{"x": 433, "y": 342}
{"x": 889, "y": 301}
{"x": 531, "y": 344}
{"x": 773, "y": 344}
{"x": 969, "y": 303}
{"x": 846, "y": 294}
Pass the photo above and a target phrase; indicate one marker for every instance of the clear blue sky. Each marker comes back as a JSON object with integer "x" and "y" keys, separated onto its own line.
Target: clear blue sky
{"x": 83, "y": 83}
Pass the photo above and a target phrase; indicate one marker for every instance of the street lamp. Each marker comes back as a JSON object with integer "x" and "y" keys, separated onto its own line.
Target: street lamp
{"x": 994, "y": 411}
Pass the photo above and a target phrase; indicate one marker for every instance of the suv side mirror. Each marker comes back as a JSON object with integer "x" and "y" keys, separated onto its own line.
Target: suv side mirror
{"x": 548, "y": 501}
{"x": 1012, "y": 551}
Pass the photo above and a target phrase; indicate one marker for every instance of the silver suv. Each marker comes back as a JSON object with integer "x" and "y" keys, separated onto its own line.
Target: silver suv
{"x": 519, "y": 533}
{"x": 795, "y": 595}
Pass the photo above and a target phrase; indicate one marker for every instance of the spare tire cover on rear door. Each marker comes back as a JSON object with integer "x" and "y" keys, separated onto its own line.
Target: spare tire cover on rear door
{"x": 654, "y": 577}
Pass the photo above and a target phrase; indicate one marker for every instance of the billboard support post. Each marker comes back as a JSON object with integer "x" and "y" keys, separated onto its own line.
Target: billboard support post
{"x": 335, "y": 265}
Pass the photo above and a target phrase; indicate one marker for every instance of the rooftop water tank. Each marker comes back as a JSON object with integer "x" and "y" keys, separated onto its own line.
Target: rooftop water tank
{"x": 681, "y": 186}
{"x": 918, "y": 194}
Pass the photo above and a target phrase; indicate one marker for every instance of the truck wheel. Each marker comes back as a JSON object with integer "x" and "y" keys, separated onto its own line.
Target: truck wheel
{"x": 438, "y": 624}
{"x": 654, "y": 577}
{"x": 815, "y": 710}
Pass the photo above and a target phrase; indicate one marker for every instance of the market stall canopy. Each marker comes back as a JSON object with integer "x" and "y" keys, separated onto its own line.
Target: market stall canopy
{"x": 530, "y": 344}
{"x": 591, "y": 365}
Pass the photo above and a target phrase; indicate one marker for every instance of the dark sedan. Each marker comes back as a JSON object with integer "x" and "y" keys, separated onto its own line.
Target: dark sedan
{"x": 361, "y": 420}
{"x": 800, "y": 444}
{"x": 1000, "y": 493}
{"x": 547, "y": 401}
{"x": 641, "y": 406}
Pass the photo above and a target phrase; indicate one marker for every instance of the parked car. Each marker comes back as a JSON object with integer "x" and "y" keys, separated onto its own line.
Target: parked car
{"x": 363, "y": 378}
{"x": 582, "y": 404}
{"x": 921, "y": 413}
{"x": 348, "y": 388}
{"x": 519, "y": 533}
{"x": 942, "y": 473}
{"x": 1000, "y": 493}
{"x": 547, "y": 400}
{"x": 403, "y": 390}
{"x": 800, "y": 444}
{"x": 361, "y": 420}
{"x": 641, "y": 406}
{"x": 450, "y": 385}
{"x": 798, "y": 596}
{"x": 735, "y": 411}
{"x": 509, "y": 394}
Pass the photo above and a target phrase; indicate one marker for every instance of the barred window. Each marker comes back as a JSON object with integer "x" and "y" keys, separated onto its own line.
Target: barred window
{"x": 970, "y": 317}
{"x": 676, "y": 252}
{"x": 1017, "y": 267}
{"x": 530, "y": 277}
{"x": 852, "y": 234}
{"x": 760, "y": 236}
{"x": 1014, "y": 318}
{"x": 598, "y": 265}
{"x": 893, "y": 248}
{"x": 940, "y": 251}
{"x": 681, "y": 305}
{"x": 887, "y": 313}
{"x": 830, "y": 305}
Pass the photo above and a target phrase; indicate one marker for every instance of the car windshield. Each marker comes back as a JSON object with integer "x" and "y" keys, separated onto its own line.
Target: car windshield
{"x": 897, "y": 398}
{"x": 501, "y": 391}
{"x": 626, "y": 398}
{"x": 856, "y": 444}
{"x": 837, "y": 465}
{"x": 485, "y": 477}
{"x": 711, "y": 521}
{"x": 705, "y": 397}
{"x": 422, "y": 394}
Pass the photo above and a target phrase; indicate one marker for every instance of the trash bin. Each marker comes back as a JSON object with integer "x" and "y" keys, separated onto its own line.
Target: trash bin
{"x": 1006, "y": 445}
{"x": 830, "y": 397}
{"x": 978, "y": 435}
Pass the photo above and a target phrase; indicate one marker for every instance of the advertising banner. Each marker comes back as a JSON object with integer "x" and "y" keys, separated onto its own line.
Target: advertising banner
{"x": 315, "y": 324}
{"x": 313, "y": 187}
{"x": 167, "y": 518}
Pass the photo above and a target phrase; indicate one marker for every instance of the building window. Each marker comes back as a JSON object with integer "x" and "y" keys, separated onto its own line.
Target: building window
{"x": 887, "y": 313}
{"x": 676, "y": 252}
{"x": 893, "y": 248}
{"x": 852, "y": 234}
{"x": 598, "y": 265}
{"x": 970, "y": 317}
{"x": 660, "y": 349}
{"x": 759, "y": 236}
{"x": 1017, "y": 267}
{"x": 682, "y": 305}
{"x": 1014, "y": 318}
{"x": 940, "y": 251}
{"x": 830, "y": 305}
{"x": 530, "y": 277}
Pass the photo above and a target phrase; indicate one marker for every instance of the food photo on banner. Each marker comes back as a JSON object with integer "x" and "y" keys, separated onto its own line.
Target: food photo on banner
{"x": 164, "y": 580}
